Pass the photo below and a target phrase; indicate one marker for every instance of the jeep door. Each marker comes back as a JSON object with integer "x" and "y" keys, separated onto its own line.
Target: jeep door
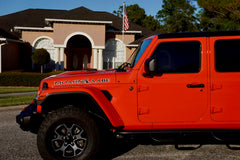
{"x": 225, "y": 78}
{"x": 177, "y": 90}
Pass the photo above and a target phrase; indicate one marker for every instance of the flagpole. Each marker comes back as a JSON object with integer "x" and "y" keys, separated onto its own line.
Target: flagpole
{"x": 123, "y": 23}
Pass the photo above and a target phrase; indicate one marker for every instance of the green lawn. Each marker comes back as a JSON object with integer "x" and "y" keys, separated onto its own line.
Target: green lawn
{"x": 16, "y": 100}
{"x": 17, "y": 89}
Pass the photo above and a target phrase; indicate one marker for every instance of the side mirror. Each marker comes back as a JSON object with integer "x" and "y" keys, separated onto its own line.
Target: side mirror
{"x": 151, "y": 66}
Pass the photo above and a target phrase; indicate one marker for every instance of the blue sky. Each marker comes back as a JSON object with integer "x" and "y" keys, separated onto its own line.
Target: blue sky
{"x": 11, "y": 6}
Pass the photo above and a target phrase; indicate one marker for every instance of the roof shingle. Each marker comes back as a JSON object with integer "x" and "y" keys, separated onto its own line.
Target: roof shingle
{"x": 36, "y": 18}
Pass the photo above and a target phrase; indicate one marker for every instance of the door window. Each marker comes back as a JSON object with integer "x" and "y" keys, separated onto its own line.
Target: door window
{"x": 227, "y": 55}
{"x": 178, "y": 57}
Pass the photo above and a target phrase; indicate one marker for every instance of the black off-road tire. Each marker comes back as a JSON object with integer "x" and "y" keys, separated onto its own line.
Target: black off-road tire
{"x": 53, "y": 144}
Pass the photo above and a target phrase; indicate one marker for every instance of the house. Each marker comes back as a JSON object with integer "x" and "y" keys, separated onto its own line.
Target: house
{"x": 76, "y": 39}
{"x": 14, "y": 53}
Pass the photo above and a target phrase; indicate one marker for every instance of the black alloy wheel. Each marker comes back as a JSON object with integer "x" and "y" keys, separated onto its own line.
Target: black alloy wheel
{"x": 68, "y": 133}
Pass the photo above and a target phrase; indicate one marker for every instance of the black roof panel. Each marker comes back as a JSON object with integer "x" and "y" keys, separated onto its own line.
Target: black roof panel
{"x": 198, "y": 34}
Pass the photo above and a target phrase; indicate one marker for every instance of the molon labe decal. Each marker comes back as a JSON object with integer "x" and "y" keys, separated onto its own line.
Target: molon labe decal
{"x": 83, "y": 81}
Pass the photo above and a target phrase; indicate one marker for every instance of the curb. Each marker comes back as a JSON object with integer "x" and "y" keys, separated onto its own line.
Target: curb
{"x": 20, "y": 107}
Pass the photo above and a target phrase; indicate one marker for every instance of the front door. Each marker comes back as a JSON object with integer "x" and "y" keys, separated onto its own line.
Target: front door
{"x": 178, "y": 93}
{"x": 225, "y": 78}
{"x": 80, "y": 58}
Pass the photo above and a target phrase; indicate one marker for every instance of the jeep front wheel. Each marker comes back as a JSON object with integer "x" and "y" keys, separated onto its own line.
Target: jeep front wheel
{"x": 68, "y": 133}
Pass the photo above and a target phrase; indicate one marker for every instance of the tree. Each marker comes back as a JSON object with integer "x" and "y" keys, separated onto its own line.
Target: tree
{"x": 119, "y": 12}
{"x": 178, "y": 16}
{"x": 219, "y": 15}
{"x": 41, "y": 57}
{"x": 137, "y": 15}
{"x": 151, "y": 23}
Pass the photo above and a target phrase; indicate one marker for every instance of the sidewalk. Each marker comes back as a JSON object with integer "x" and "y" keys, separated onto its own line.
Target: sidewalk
{"x": 19, "y": 107}
{"x": 17, "y": 94}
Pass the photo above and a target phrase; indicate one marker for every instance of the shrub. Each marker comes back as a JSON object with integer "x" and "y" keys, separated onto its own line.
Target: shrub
{"x": 40, "y": 56}
{"x": 23, "y": 78}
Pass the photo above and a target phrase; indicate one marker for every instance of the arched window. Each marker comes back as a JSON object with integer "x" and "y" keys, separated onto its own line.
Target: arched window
{"x": 47, "y": 44}
{"x": 114, "y": 54}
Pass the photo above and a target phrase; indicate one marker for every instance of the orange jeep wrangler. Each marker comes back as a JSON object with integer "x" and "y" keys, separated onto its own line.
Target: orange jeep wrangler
{"x": 173, "y": 83}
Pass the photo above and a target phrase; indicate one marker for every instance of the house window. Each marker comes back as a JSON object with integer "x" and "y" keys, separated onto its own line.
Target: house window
{"x": 114, "y": 54}
{"x": 47, "y": 44}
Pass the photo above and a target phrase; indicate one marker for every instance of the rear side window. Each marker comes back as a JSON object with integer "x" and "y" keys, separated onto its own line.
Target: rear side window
{"x": 227, "y": 55}
{"x": 178, "y": 57}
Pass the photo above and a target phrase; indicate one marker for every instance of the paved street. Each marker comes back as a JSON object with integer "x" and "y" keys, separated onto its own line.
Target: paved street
{"x": 15, "y": 144}
{"x": 19, "y": 145}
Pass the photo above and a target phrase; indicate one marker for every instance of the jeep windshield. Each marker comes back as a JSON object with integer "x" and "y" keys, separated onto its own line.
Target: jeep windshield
{"x": 132, "y": 61}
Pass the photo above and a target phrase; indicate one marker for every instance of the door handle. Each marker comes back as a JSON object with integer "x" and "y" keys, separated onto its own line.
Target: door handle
{"x": 195, "y": 85}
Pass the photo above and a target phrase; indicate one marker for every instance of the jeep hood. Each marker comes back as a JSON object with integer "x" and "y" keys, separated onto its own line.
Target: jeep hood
{"x": 77, "y": 78}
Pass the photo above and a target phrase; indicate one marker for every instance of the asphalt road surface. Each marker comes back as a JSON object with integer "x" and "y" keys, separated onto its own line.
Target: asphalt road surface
{"x": 18, "y": 145}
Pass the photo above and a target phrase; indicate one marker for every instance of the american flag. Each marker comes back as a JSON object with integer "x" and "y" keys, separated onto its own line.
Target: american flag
{"x": 126, "y": 24}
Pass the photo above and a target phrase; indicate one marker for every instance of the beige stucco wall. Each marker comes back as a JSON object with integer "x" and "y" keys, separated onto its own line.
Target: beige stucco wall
{"x": 31, "y": 36}
{"x": 128, "y": 38}
{"x": 129, "y": 52}
{"x": 63, "y": 32}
